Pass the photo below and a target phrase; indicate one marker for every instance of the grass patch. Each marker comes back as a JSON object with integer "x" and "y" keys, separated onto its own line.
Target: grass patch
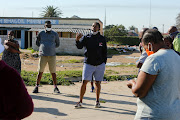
{"x": 111, "y": 72}
{"x": 71, "y": 61}
{"x": 112, "y": 51}
{"x": 70, "y": 73}
{"x": 119, "y": 77}
{"x": 102, "y": 101}
{"x": 29, "y": 77}
{"x": 124, "y": 65}
{"x": 32, "y": 50}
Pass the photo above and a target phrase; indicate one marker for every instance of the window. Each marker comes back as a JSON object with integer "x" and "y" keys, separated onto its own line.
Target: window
{"x": 73, "y": 35}
{"x": 66, "y": 34}
{"x": 3, "y": 32}
{"x": 17, "y": 34}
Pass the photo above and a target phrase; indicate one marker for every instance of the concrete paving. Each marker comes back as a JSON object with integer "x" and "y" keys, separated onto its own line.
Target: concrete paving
{"x": 119, "y": 104}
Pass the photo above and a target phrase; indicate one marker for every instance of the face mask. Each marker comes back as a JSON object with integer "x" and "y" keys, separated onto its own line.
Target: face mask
{"x": 94, "y": 33}
{"x": 148, "y": 51}
{"x": 48, "y": 29}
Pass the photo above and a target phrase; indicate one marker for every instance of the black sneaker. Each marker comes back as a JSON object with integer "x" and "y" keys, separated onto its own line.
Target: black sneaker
{"x": 56, "y": 90}
{"x": 35, "y": 90}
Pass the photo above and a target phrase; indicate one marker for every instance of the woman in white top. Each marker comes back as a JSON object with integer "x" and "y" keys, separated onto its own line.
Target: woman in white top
{"x": 158, "y": 83}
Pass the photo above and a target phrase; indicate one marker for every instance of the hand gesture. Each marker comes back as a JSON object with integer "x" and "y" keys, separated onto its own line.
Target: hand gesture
{"x": 78, "y": 36}
{"x": 131, "y": 83}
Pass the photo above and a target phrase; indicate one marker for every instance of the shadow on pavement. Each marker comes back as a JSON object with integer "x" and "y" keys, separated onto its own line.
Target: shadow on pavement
{"x": 105, "y": 109}
{"x": 117, "y": 95}
{"x": 52, "y": 111}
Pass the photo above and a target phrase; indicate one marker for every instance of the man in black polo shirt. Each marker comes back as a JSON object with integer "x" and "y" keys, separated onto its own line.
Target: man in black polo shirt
{"x": 95, "y": 60}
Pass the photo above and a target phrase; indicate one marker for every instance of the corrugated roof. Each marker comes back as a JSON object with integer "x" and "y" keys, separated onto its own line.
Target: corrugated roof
{"x": 74, "y": 30}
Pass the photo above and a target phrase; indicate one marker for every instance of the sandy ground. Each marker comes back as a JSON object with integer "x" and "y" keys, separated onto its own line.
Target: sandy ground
{"x": 31, "y": 64}
{"x": 119, "y": 103}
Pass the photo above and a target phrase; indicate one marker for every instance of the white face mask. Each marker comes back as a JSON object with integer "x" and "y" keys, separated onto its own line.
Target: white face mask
{"x": 94, "y": 33}
{"x": 151, "y": 47}
{"x": 48, "y": 29}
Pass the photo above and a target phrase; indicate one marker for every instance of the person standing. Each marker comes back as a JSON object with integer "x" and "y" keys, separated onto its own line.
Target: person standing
{"x": 144, "y": 55}
{"x": 15, "y": 103}
{"x": 157, "y": 89}
{"x": 175, "y": 35}
{"x": 95, "y": 60}
{"x": 47, "y": 41}
{"x": 11, "y": 53}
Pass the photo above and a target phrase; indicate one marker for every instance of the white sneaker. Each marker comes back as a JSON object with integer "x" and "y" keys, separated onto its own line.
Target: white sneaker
{"x": 78, "y": 105}
{"x": 97, "y": 105}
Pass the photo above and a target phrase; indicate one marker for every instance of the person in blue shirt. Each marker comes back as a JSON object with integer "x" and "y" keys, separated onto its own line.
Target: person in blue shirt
{"x": 47, "y": 41}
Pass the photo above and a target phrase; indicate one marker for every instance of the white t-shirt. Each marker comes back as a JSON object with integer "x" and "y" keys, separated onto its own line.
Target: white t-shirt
{"x": 163, "y": 99}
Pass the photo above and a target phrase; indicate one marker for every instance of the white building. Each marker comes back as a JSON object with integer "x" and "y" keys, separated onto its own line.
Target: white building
{"x": 27, "y": 28}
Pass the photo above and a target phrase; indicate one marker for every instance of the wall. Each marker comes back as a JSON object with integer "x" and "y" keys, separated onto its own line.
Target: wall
{"x": 67, "y": 46}
{"x": 3, "y": 37}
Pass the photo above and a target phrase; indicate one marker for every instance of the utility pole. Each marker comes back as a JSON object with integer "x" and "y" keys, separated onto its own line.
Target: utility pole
{"x": 163, "y": 28}
{"x": 150, "y": 16}
{"x": 105, "y": 19}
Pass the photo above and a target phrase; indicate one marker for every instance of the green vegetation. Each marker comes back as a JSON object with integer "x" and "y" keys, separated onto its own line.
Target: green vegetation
{"x": 51, "y": 11}
{"x": 112, "y": 51}
{"x": 119, "y": 77}
{"x": 124, "y": 65}
{"x": 102, "y": 101}
{"x": 30, "y": 77}
{"x": 122, "y": 40}
{"x": 71, "y": 61}
{"x": 115, "y": 30}
{"x": 32, "y": 50}
{"x": 111, "y": 72}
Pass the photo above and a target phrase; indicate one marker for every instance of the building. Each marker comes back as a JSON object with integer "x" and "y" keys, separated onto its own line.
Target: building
{"x": 27, "y": 28}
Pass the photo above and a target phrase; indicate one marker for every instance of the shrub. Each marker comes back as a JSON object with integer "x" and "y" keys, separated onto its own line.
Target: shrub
{"x": 123, "y": 40}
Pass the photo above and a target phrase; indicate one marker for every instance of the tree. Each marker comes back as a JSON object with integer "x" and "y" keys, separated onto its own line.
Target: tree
{"x": 132, "y": 28}
{"x": 178, "y": 21}
{"x": 51, "y": 11}
{"x": 116, "y": 30}
{"x": 109, "y": 27}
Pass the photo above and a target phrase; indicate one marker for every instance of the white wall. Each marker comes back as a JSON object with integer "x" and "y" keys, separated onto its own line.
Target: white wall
{"x": 67, "y": 46}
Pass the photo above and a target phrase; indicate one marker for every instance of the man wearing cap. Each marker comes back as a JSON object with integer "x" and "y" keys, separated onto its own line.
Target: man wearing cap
{"x": 15, "y": 102}
{"x": 47, "y": 41}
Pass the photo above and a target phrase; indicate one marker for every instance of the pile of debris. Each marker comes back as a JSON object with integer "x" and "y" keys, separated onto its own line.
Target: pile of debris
{"x": 124, "y": 49}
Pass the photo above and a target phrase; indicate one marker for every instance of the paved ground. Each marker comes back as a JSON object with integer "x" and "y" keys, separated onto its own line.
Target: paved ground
{"x": 119, "y": 103}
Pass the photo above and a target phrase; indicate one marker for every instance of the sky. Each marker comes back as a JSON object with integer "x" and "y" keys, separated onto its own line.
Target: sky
{"x": 139, "y": 13}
